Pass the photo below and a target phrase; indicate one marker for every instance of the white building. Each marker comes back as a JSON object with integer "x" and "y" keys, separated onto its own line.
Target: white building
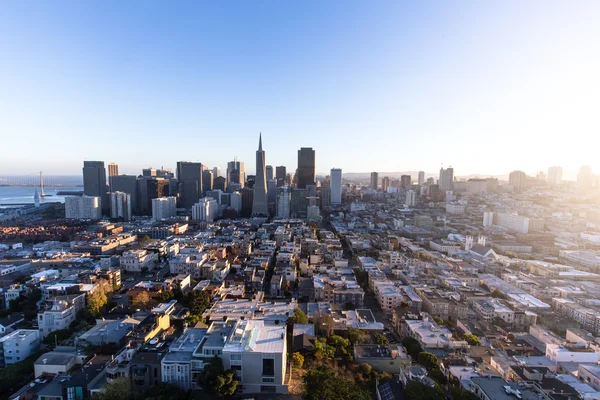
{"x": 258, "y": 354}
{"x": 82, "y": 207}
{"x": 59, "y": 312}
{"x": 554, "y": 175}
{"x": 283, "y": 202}
{"x": 421, "y": 180}
{"x": 455, "y": 209}
{"x": 120, "y": 205}
{"x": 488, "y": 219}
{"x": 477, "y": 186}
{"x": 184, "y": 362}
{"x": 205, "y": 210}
{"x": 512, "y": 222}
{"x": 336, "y": 185}
{"x": 136, "y": 260}
{"x": 164, "y": 207}
{"x": 189, "y": 264}
{"x": 578, "y": 353}
{"x": 411, "y": 198}
{"x": 236, "y": 201}
{"x": 18, "y": 345}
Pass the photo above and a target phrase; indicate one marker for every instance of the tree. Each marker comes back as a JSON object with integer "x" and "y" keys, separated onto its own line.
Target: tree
{"x": 167, "y": 295}
{"x": 144, "y": 241}
{"x": 165, "y": 391}
{"x": 417, "y": 391}
{"x": 378, "y": 338}
{"x": 437, "y": 375}
{"x": 428, "y": 360}
{"x": 198, "y": 301}
{"x": 472, "y": 339}
{"x": 412, "y": 346}
{"x": 225, "y": 384}
{"x": 356, "y": 336}
{"x": 497, "y": 294}
{"x": 96, "y": 300}
{"x": 118, "y": 389}
{"x": 340, "y": 344}
{"x": 298, "y": 360}
{"x": 366, "y": 369}
{"x": 323, "y": 383}
{"x": 57, "y": 336}
{"x": 299, "y": 317}
{"x": 141, "y": 300}
{"x": 215, "y": 379}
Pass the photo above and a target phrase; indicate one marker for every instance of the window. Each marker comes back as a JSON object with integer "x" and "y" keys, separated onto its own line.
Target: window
{"x": 235, "y": 357}
{"x": 268, "y": 367}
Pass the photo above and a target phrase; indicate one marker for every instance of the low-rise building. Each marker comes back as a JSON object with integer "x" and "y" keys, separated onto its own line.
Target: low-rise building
{"x": 59, "y": 312}
{"x": 137, "y": 260}
{"x": 18, "y": 345}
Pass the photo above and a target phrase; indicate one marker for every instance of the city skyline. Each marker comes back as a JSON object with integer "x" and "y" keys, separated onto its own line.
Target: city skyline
{"x": 421, "y": 86}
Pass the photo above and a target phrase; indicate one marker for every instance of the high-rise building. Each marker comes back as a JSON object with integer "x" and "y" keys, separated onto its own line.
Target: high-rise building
{"x": 235, "y": 201}
{"x": 385, "y": 184}
{"x": 94, "y": 182}
{"x": 555, "y": 175}
{"x": 585, "y": 177}
{"x": 421, "y": 177}
{"x": 374, "y": 180}
{"x": 283, "y": 202}
{"x": 164, "y": 207}
{"x": 216, "y": 172}
{"x": 411, "y": 198}
{"x": 120, "y": 206}
{"x": 518, "y": 180}
{"x": 219, "y": 183}
{"x": 207, "y": 181}
{"x": 82, "y": 207}
{"x": 446, "y": 181}
{"x": 272, "y": 196}
{"x": 113, "y": 170}
{"x": 215, "y": 194}
{"x": 247, "y": 202}
{"x": 405, "y": 181}
{"x": 299, "y": 203}
{"x": 189, "y": 177}
{"x": 259, "y": 204}
{"x": 205, "y": 210}
{"x": 325, "y": 192}
{"x": 128, "y": 184}
{"x": 151, "y": 188}
{"x": 269, "y": 170}
{"x": 280, "y": 175}
{"x": 235, "y": 172}
{"x": 306, "y": 174}
{"x": 335, "y": 178}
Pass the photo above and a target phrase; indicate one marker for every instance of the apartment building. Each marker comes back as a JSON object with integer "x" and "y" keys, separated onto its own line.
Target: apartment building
{"x": 18, "y": 345}
{"x": 59, "y": 312}
{"x": 136, "y": 260}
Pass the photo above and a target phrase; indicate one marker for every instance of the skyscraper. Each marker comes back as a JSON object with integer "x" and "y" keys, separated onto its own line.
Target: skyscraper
{"x": 446, "y": 181}
{"x": 235, "y": 172}
{"x": 259, "y": 203}
{"x": 120, "y": 205}
{"x": 113, "y": 170}
{"x": 385, "y": 184}
{"x": 517, "y": 179}
{"x": 405, "y": 181}
{"x": 94, "y": 182}
{"x": 421, "y": 177}
{"x": 128, "y": 184}
{"x": 336, "y": 185}
{"x": 585, "y": 177}
{"x": 280, "y": 175}
{"x": 374, "y": 179}
{"x": 189, "y": 176}
{"x": 207, "y": 181}
{"x": 269, "y": 169}
{"x": 164, "y": 207}
{"x": 306, "y": 174}
{"x": 283, "y": 202}
{"x": 216, "y": 172}
{"x": 554, "y": 175}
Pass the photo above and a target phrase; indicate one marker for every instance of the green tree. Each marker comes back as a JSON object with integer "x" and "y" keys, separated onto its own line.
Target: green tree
{"x": 165, "y": 391}
{"x": 299, "y": 317}
{"x": 497, "y": 294}
{"x": 119, "y": 389}
{"x": 417, "y": 391}
{"x": 378, "y": 338}
{"x": 298, "y": 360}
{"x": 142, "y": 300}
{"x": 214, "y": 378}
{"x": 340, "y": 344}
{"x": 366, "y": 370}
{"x": 96, "y": 300}
{"x": 472, "y": 339}
{"x": 412, "y": 346}
{"x": 437, "y": 375}
{"x": 428, "y": 360}
{"x": 58, "y": 336}
{"x": 15, "y": 376}
{"x": 167, "y": 295}
{"x": 323, "y": 383}
{"x": 225, "y": 384}
{"x": 356, "y": 336}
{"x": 198, "y": 301}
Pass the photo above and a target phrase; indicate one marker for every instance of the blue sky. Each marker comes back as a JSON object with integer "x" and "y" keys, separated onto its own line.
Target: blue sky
{"x": 486, "y": 87}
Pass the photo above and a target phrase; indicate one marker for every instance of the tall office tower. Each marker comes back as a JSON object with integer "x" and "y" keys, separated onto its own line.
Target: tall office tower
{"x": 259, "y": 204}
{"x": 290, "y": 179}
{"x": 113, "y": 170}
{"x": 235, "y": 201}
{"x": 435, "y": 193}
{"x": 272, "y": 196}
{"x": 215, "y": 194}
{"x": 306, "y": 174}
{"x": 299, "y": 203}
{"x": 374, "y": 180}
{"x": 411, "y": 198}
{"x": 164, "y": 207}
{"x": 283, "y": 202}
{"x": 421, "y": 177}
{"x": 336, "y": 185}
{"x": 128, "y": 184}
{"x": 585, "y": 177}
{"x": 235, "y": 172}
{"x": 405, "y": 181}
{"x": 120, "y": 205}
{"x": 216, "y": 172}
{"x": 82, "y": 207}
{"x": 517, "y": 179}
{"x": 385, "y": 184}
{"x": 94, "y": 182}
{"x": 280, "y": 175}
{"x": 247, "y": 202}
{"x": 205, "y": 210}
{"x": 234, "y": 187}
{"x": 554, "y": 175}
{"x": 219, "y": 183}
{"x": 189, "y": 176}
{"x": 325, "y": 192}
{"x": 269, "y": 169}
{"x": 151, "y": 188}
{"x": 207, "y": 181}
{"x": 446, "y": 181}
{"x": 149, "y": 172}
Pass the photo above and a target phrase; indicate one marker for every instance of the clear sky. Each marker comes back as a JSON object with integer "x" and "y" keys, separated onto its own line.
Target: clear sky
{"x": 484, "y": 86}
